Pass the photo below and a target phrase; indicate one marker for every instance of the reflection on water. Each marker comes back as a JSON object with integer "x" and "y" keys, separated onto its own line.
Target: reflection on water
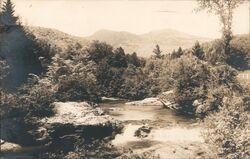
{"x": 123, "y": 112}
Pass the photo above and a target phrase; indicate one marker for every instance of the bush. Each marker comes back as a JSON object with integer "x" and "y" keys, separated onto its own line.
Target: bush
{"x": 31, "y": 100}
{"x": 191, "y": 82}
{"x": 199, "y": 87}
{"x": 135, "y": 84}
{"x": 74, "y": 76}
{"x": 227, "y": 130}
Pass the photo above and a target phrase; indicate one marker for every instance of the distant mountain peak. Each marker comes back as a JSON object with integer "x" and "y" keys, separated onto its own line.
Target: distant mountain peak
{"x": 143, "y": 44}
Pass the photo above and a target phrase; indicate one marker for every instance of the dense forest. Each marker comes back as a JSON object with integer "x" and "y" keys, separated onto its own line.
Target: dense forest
{"x": 34, "y": 74}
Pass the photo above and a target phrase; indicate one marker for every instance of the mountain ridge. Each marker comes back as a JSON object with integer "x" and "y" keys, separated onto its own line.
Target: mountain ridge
{"x": 142, "y": 44}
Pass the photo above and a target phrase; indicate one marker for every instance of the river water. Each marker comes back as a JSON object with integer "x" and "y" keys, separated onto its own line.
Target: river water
{"x": 172, "y": 135}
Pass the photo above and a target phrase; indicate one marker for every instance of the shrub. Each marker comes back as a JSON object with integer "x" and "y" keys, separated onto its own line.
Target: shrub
{"x": 135, "y": 85}
{"x": 191, "y": 77}
{"x": 73, "y": 79}
{"x": 227, "y": 130}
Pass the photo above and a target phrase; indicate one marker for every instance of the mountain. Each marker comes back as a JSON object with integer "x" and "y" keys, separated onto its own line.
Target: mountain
{"x": 55, "y": 37}
{"x": 143, "y": 44}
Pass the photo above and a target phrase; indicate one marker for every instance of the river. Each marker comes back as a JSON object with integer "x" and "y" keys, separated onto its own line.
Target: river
{"x": 172, "y": 135}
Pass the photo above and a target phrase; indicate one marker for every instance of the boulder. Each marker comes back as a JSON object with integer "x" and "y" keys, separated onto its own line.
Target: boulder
{"x": 9, "y": 147}
{"x": 76, "y": 121}
{"x": 76, "y": 113}
{"x": 166, "y": 99}
{"x": 146, "y": 101}
{"x": 110, "y": 99}
{"x": 143, "y": 131}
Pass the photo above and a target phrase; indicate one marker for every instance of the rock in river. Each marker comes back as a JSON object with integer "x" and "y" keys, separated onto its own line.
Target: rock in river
{"x": 146, "y": 101}
{"x": 74, "y": 121}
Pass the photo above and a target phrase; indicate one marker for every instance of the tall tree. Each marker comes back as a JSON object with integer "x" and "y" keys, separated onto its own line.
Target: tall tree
{"x": 119, "y": 58}
{"x": 157, "y": 51}
{"x": 224, "y": 9}
{"x": 7, "y": 14}
{"x": 198, "y": 51}
{"x": 177, "y": 54}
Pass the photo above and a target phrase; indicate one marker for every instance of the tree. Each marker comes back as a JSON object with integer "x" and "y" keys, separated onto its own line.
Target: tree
{"x": 99, "y": 51}
{"x": 191, "y": 76}
{"x": 198, "y": 51}
{"x": 157, "y": 51}
{"x": 224, "y": 9}
{"x": 119, "y": 58}
{"x": 7, "y": 17}
{"x": 133, "y": 59}
{"x": 177, "y": 54}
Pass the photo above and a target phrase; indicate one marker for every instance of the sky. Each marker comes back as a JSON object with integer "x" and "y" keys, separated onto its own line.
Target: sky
{"x": 84, "y": 17}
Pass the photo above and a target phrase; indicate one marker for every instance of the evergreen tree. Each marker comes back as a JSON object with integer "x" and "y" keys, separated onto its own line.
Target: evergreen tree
{"x": 157, "y": 51}
{"x": 198, "y": 51}
{"x": 7, "y": 15}
{"x": 133, "y": 59}
{"x": 177, "y": 54}
{"x": 119, "y": 58}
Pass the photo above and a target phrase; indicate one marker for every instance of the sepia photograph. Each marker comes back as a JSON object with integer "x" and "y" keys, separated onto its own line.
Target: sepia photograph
{"x": 125, "y": 79}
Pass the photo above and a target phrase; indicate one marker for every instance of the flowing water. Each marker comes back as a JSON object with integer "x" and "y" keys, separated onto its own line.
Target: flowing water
{"x": 172, "y": 135}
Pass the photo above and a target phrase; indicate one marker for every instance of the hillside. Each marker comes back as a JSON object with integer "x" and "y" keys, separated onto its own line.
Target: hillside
{"x": 143, "y": 44}
{"x": 56, "y": 38}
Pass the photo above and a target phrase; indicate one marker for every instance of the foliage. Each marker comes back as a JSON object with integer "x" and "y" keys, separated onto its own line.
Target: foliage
{"x": 119, "y": 59}
{"x": 190, "y": 77}
{"x": 177, "y": 54}
{"x": 157, "y": 51}
{"x": 239, "y": 55}
{"x": 199, "y": 87}
{"x": 135, "y": 84}
{"x": 214, "y": 52}
{"x": 4, "y": 68}
{"x": 198, "y": 51}
{"x": 224, "y": 9}
{"x": 135, "y": 60}
{"x": 7, "y": 17}
{"x": 73, "y": 76}
{"x": 32, "y": 100}
{"x": 111, "y": 69}
{"x": 152, "y": 70}
{"x": 99, "y": 51}
{"x": 227, "y": 130}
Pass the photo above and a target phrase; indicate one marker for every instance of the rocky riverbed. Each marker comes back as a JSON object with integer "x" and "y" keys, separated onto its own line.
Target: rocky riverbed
{"x": 157, "y": 130}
